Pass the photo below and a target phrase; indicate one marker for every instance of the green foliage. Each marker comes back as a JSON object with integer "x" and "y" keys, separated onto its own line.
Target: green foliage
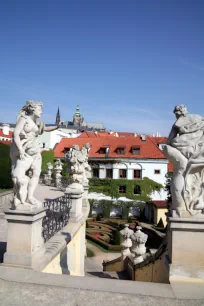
{"x": 65, "y": 173}
{"x": 47, "y": 157}
{"x": 110, "y": 187}
{"x": 98, "y": 217}
{"x": 5, "y": 167}
{"x": 90, "y": 253}
{"x": 129, "y": 220}
{"x": 168, "y": 185}
{"x": 116, "y": 240}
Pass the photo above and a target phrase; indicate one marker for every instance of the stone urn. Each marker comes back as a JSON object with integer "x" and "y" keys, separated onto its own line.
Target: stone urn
{"x": 138, "y": 245}
{"x": 126, "y": 242}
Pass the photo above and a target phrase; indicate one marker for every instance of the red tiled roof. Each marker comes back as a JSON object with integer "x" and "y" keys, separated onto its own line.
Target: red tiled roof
{"x": 170, "y": 167}
{"x": 148, "y": 149}
{"x": 6, "y": 136}
{"x": 8, "y": 142}
{"x": 160, "y": 204}
{"x": 159, "y": 140}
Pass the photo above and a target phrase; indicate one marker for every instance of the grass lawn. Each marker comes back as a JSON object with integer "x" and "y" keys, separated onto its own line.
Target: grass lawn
{"x": 101, "y": 248}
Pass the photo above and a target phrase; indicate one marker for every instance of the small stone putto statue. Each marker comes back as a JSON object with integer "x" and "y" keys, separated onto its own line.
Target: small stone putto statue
{"x": 78, "y": 164}
{"x": 185, "y": 149}
{"x": 26, "y": 156}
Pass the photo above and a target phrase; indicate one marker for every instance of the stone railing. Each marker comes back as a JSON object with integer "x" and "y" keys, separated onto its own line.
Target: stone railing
{"x": 57, "y": 215}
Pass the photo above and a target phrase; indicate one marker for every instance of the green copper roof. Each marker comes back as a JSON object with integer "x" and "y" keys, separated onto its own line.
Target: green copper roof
{"x": 77, "y": 112}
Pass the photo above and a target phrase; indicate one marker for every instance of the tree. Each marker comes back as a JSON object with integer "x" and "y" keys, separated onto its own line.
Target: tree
{"x": 5, "y": 167}
{"x": 168, "y": 185}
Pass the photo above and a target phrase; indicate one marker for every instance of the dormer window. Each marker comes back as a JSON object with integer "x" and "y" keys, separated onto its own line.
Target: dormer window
{"x": 135, "y": 150}
{"x": 102, "y": 151}
{"x": 66, "y": 150}
{"x": 120, "y": 150}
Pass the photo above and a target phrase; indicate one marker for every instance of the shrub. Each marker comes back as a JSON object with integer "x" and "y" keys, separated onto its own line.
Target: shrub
{"x": 98, "y": 217}
{"x": 47, "y": 157}
{"x": 160, "y": 223}
{"x": 116, "y": 240}
{"x": 129, "y": 220}
{"x": 90, "y": 253}
{"x": 5, "y": 167}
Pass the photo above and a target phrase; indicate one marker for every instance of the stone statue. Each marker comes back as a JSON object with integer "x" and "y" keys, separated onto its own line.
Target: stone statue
{"x": 87, "y": 167}
{"x": 48, "y": 175}
{"x": 78, "y": 164}
{"x": 126, "y": 242}
{"x": 58, "y": 170}
{"x": 138, "y": 245}
{"x": 185, "y": 149}
{"x": 26, "y": 156}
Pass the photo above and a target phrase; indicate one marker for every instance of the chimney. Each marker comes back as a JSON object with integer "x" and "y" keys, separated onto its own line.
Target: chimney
{"x": 6, "y": 129}
{"x": 143, "y": 137}
{"x": 135, "y": 134}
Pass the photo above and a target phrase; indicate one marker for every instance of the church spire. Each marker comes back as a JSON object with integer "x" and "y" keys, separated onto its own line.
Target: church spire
{"x": 58, "y": 120}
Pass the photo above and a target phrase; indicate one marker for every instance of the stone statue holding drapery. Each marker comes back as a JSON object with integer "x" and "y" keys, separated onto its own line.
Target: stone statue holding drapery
{"x": 185, "y": 149}
{"x": 26, "y": 156}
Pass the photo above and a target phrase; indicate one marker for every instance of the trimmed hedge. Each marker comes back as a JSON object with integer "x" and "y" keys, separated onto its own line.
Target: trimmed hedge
{"x": 5, "y": 167}
{"x": 110, "y": 187}
{"x": 47, "y": 157}
{"x": 104, "y": 244}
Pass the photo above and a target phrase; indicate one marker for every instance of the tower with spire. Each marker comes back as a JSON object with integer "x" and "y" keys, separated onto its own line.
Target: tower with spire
{"x": 58, "y": 120}
{"x": 77, "y": 118}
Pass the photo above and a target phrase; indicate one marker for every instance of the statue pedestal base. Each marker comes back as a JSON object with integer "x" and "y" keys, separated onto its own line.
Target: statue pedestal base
{"x": 86, "y": 190}
{"x": 75, "y": 191}
{"x": 25, "y": 243}
{"x": 186, "y": 255}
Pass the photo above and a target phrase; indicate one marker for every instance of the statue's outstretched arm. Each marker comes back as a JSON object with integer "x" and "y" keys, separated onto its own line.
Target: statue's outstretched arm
{"x": 50, "y": 128}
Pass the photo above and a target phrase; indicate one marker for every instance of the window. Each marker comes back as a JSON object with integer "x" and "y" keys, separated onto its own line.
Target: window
{"x": 43, "y": 144}
{"x": 109, "y": 173}
{"x": 122, "y": 189}
{"x": 137, "y": 174}
{"x": 137, "y": 189}
{"x": 122, "y": 173}
{"x": 120, "y": 151}
{"x": 157, "y": 171}
{"x": 136, "y": 150}
{"x": 66, "y": 150}
{"x": 95, "y": 172}
{"x": 102, "y": 151}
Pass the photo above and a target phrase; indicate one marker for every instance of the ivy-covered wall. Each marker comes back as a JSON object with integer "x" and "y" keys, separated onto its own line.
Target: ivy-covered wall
{"x": 110, "y": 187}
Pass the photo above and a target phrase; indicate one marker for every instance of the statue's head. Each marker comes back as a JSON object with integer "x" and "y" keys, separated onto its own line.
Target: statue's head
{"x": 87, "y": 146}
{"x": 32, "y": 108}
{"x": 180, "y": 111}
{"x": 75, "y": 147}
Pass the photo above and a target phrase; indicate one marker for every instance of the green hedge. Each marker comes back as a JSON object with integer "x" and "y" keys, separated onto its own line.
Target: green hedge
{"x": 5, "y": 167}
{"x": 47, "y": 157}
{"x": 110, "y": 187}
{"x": 104, "y": 244}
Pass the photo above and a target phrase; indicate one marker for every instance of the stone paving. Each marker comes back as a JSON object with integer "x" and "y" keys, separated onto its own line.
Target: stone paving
{"x": 20, "y": 294}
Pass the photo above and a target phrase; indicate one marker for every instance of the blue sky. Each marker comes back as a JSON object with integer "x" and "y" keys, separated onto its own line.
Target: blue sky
{"x": 126, "y": 63}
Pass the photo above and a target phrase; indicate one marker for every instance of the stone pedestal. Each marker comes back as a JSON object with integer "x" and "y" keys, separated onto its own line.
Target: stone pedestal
{"x": 186, "y": 255}
{"x": 75, "y": 191}
{"x": 25, "y": 244}
{"x": 86, "y": 190}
